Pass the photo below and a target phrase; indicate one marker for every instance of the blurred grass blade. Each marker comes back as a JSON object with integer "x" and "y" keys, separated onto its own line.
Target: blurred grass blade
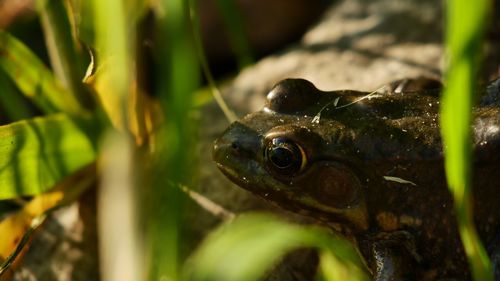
{"x": 465, "y": 31}
{"x": 195, "y": 29}
{"x": 117, "y": 217}
{"x": 33, "y": 78}
{"x": 236, "y": 31}
{"x": 247, "y": 247}
{"x": 35, "y": 154}
{"x": 334, "y": 269}
{"x": 17, "y": 229}
{"x": 115, "y": 24}
{"x": 178, "y": 77}
{"x": 11, "y": 102}
{"x": 81, "y": 15}
{"x": 66, "y": 62}
{"x": 114, "y": 31}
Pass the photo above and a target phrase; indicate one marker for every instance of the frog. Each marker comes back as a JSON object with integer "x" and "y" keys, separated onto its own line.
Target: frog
{"x": 370, "y": 166}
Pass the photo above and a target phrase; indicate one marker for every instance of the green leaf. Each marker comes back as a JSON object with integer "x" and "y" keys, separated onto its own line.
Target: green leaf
{"x": 466, "y": 23}
{"x": 37, "y": 153}
{"x": 333, "y": 269}
{"x": 247, "y": 247}
{"x": 33, "y": 78}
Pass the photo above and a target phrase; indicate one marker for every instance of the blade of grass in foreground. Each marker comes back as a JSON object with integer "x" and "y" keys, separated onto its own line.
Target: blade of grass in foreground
{"x": 119, "y": 247}
{"x": 178, "y": 78}
{"x": 117, "y": 211}
{"x": 465, "y": 29}
{"x": 114, "y": 41}
{"x": 246, "y": 248}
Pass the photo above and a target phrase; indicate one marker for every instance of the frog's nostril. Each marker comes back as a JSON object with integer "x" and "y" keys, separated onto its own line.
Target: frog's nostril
{"x": 241, "y": 148}
{"x": 236, "y": 145}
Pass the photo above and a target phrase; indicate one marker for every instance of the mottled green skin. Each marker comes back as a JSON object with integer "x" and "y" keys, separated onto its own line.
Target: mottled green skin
{"x": 404, "y": 231}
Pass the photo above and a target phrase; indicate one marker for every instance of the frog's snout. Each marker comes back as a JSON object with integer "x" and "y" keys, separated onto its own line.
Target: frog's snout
{"x": 222, "y": 146}
{"x": 221, "y": 150}
{"x": 238, "y": 142}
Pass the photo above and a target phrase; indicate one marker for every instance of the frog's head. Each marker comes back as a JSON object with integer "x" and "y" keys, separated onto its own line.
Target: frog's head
{"x": 282, "y": 155}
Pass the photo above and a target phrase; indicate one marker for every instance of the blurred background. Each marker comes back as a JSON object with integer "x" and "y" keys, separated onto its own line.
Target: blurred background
{"x": 129, "y": 85}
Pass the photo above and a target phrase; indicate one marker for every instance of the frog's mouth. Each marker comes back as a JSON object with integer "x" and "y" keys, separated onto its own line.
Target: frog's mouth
{"x": 251, "y": 182}
{"x": 231, "y": 174}
{"x": 356, "y": 217}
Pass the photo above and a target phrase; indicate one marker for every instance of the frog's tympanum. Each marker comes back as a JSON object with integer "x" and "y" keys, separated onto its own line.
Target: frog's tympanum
{"x": 370, "y": 165}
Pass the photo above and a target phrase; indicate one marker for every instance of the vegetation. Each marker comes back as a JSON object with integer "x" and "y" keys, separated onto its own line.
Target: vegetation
{"x": 466, "y": 25}
{"x": 91, "y": 120}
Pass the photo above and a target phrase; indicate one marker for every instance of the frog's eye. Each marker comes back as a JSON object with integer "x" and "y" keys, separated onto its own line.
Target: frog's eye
{"x": 285, "y": 156}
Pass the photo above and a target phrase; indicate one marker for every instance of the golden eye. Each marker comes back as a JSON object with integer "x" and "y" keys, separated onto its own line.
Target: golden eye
{"x": 285, "y": 156}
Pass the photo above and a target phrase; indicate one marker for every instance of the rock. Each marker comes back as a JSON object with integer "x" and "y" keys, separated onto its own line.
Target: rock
{"x": 65, "y": 247}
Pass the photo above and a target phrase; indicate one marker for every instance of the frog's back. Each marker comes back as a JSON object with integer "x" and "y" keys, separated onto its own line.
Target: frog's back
{"x": 393, "y": 139}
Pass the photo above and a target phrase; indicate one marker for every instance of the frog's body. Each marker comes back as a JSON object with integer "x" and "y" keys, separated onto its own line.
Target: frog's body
{"x": 371, "y": 168}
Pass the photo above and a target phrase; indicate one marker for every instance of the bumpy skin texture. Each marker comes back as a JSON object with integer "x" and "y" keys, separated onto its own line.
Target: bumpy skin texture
{"x": 352, "y": 151}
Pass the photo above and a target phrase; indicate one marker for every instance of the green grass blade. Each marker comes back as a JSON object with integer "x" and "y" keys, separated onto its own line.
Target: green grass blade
{"x": 236, "y": 32}
{"x": 33, "y": 78}
{"x": 115, "y": 24}
{"x": 66, "y": 62}
{"x": 244, "y": 249}
{"x": 195, "y": 29}
{"x": 114, "y": 46}
{"x": 465, "y": 29}
{"x": 178, "y": 78}
{"x": 35, "y": 154}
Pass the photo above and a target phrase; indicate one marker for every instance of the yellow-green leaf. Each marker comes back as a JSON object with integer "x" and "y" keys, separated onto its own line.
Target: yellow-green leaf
{"x": 37, "y": 153}
{"x": 247, "y": 247}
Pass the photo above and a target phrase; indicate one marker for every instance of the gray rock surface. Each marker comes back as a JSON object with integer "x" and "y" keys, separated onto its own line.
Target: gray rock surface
{"x": 358, "y": 45}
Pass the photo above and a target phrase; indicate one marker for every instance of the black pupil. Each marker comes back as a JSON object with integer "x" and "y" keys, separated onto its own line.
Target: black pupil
{"x": 282, "y": 157}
